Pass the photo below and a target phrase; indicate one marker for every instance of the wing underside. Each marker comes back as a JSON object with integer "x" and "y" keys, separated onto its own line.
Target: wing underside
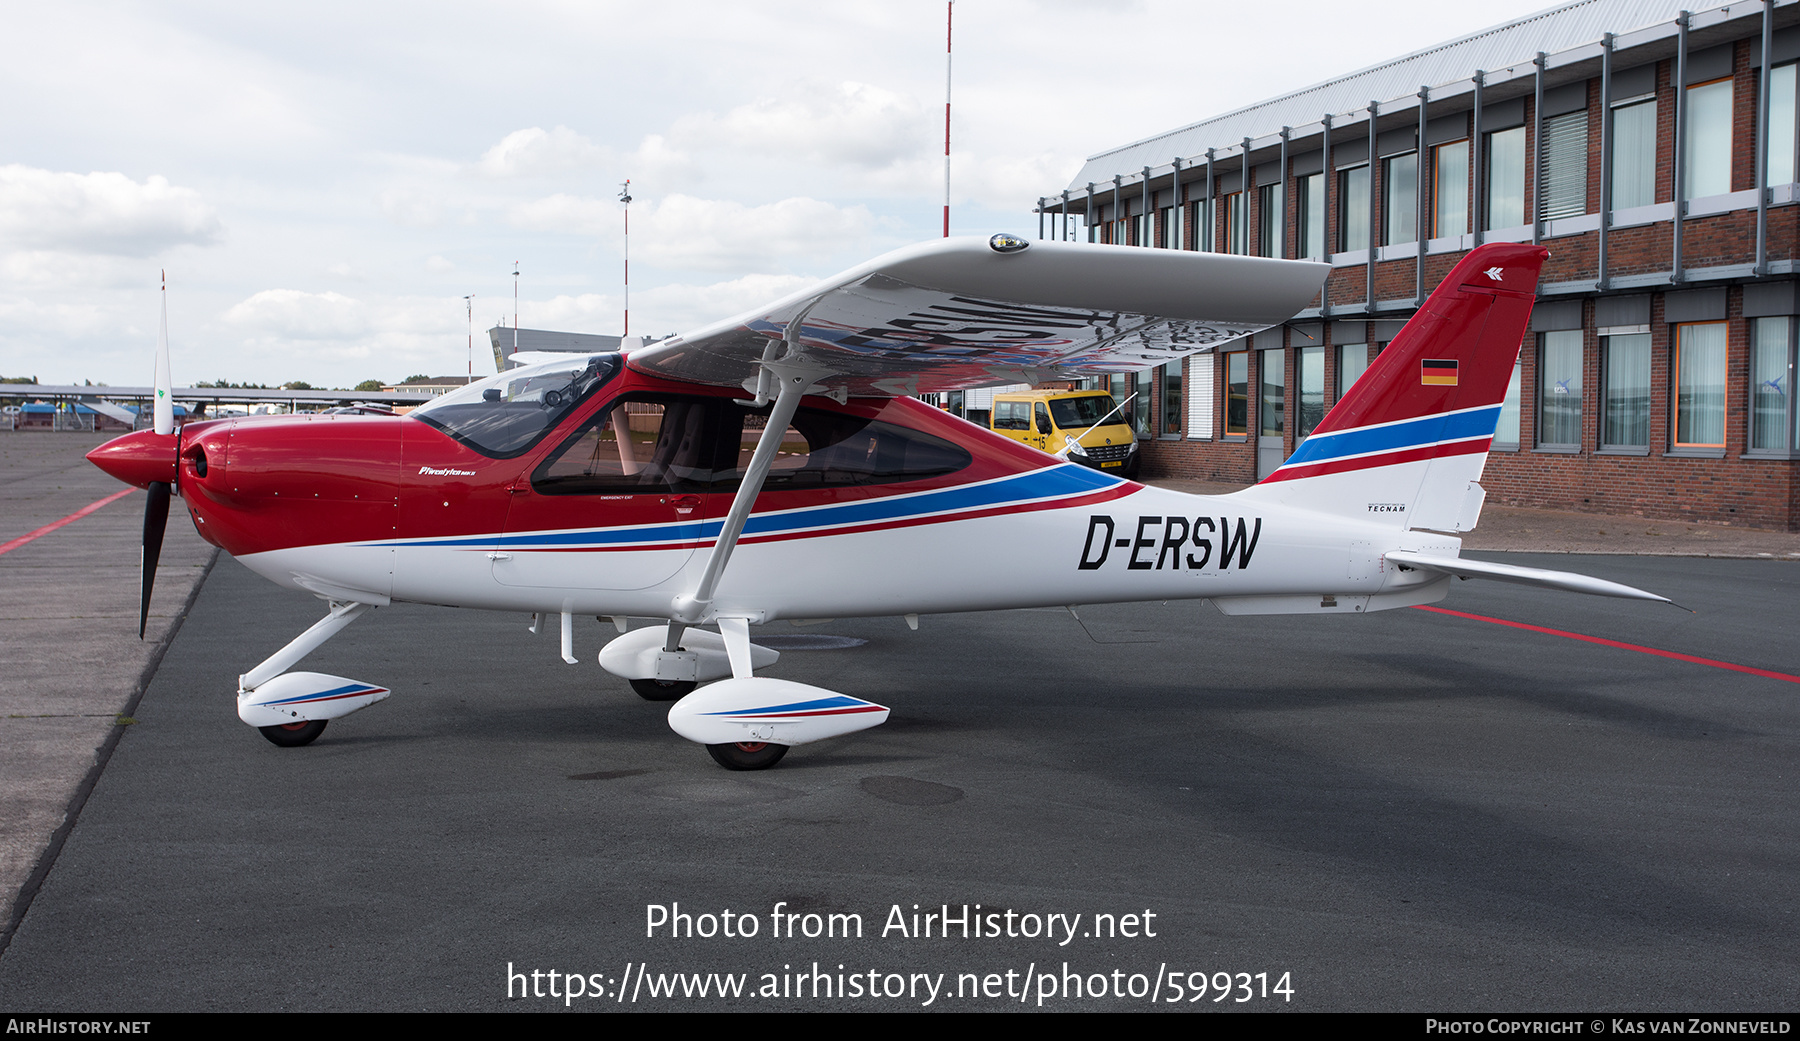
{"x": 956, "y": 314}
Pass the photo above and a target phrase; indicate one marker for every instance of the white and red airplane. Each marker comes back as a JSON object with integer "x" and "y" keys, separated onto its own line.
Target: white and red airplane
{"x": 775, "y": 466}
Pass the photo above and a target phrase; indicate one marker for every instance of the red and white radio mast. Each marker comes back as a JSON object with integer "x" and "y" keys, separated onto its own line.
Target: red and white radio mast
{"x": 949, "y": 10}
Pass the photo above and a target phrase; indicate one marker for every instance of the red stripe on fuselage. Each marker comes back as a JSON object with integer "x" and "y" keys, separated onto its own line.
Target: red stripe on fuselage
{"x": 1366, "y": 462}
{"x": 854, "y": 529}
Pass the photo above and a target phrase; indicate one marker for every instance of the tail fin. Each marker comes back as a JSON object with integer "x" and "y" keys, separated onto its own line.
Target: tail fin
{"x": 1407, "y": 443}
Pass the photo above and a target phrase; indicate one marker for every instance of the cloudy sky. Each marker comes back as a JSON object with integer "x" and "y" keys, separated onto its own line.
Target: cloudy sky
{"x": 324, "y": 182}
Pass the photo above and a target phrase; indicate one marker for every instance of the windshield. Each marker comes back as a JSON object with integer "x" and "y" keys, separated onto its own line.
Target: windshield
{"x": 506, "y": 414}
{"x": 1083, "y": 412}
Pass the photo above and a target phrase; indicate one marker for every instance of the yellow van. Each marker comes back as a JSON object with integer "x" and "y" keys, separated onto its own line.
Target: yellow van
{"x": 1096, "y": 431}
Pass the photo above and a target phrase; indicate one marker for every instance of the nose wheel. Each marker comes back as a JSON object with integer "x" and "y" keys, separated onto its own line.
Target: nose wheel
{"x": 293, "y": 735}
{"x": 747, "y": 755}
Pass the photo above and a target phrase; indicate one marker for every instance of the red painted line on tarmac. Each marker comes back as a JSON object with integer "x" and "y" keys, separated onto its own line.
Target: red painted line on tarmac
{"x": 7, "y": 547}
{"x": 1677, "y": 655}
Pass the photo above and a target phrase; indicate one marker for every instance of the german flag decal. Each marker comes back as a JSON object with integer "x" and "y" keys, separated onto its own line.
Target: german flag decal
{"x": 1435, "y": 372}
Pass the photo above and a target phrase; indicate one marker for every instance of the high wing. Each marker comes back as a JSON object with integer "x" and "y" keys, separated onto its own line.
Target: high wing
{"x": 954, "y": 314}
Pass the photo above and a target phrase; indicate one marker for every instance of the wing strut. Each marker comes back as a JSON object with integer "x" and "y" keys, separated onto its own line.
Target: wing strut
{"x": 694, "y": 608}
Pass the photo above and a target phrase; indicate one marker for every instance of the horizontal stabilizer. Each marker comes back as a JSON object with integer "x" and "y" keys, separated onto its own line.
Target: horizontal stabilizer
{"x": 1529, "y": 576}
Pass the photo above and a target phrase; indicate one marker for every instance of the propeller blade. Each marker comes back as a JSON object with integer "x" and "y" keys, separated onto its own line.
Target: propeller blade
{"x": 156, "y": 519}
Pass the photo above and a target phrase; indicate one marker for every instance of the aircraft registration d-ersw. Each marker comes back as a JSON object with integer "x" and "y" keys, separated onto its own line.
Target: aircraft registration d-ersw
{"x": 776, "y": 466}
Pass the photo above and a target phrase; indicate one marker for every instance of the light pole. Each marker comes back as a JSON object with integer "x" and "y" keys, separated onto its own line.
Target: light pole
{"x": 625, "y": 197}
{"x": 470, "y": 301}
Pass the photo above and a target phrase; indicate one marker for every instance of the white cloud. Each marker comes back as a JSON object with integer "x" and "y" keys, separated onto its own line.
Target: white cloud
{"x": 106, "y": 213}
{"x": 410, "y": 208}
{"x": 535, "y": 150}
{"x": 854, "y": 124}
{"x": 683, "y": 307}
{"x": 574, "y": 214}
{"x": 708, "y": 234}
{"x": 438, "y": 264}
{"x": 289, "y": 314}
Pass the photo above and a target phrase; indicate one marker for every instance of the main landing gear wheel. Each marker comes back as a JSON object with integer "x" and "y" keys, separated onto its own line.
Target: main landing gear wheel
{"x": 747, "y": 755}
{"x": 663, "y": 690}
{"x": 293, "y": 735}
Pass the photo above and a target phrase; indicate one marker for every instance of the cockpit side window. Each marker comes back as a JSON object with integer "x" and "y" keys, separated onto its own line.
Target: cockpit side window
{"x": 641, "y": 443}
{"x": 669, "y": 443}
{"x": 823, "y": 449}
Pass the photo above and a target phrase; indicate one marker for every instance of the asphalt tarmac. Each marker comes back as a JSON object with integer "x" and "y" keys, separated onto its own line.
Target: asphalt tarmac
{"x": 1403, "y": 811}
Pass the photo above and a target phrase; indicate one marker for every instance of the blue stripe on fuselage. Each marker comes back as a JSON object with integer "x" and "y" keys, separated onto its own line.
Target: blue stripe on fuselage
{"x": 1412, "y": 433}
{"x": 1068, "y": 479}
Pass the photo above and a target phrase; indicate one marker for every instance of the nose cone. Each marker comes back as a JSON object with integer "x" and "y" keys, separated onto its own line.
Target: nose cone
{"x": 138, "y": 458}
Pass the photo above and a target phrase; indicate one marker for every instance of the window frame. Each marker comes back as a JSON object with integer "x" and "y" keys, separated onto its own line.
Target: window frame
{"x": 1702, "y": 448}
{"x": 1271, "y": 422}
{"x": 1201, "y": 241}
{"x": 1512, "y": 406}
{"x": 1564, "y": 339}
{"x": 1458, "y": 192}
{"x": 1642, "y": 173}
{"x": 1495, "y": 178}
{"x": 1311, "y": 216}
{"x": 1643, "y": 379}
{"x": 1309, "y": 402}
{"x": 1268, "y": 228}
{"x": 1237, "y": 224}
{"x": 1237, "y": 395}
{"x": 1353, "y": 207}
{"x": 1787, "y": 131}
{"x": 1790, "y": 436}
{"x": 1399, "y": 199}
{"x": 1173, "y": 403}
{"x": 1691, "y": 142}
{"x": 1570, "y": 174}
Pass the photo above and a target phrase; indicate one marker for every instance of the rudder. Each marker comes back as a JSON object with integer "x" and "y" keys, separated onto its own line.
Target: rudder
{"x": 1406, "y": 445}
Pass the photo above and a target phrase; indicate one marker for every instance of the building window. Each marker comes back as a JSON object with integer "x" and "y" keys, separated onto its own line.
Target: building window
{"x": 1143, "y": 380}
{"x": 1237, "y": 224}
{"x": 1202, "y": 239}
{"x": 1506, "y": 431}
{"x": 1706, "y": 162}
{"x": 1700, "y": 385}
{"x": 1171, "y": 398}
{"x": 1353, "y": 209}
{"x": 1782, "y": 89}
{"x": 1505, "y": 202}
{"x": 1170, "y": 218}
{"x": 1237, "y": 393}
{"x": 1771, "y": 375}
{"x": 1311, "y": 226}
{"x": 1272, "y": 409}
{"x": 1634, "y": 155}
{"x": 1353, "y": 361}
{"x": 1559, "y": 398}
{"x": 1625, "y": 392}
{"x": 1450, "y": 189}
{"x": 1268, "y": 230}
{"x": 1312, "y": 389}
{"x": 1400, "y": 188}
{"x": 1562, "y": 175}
